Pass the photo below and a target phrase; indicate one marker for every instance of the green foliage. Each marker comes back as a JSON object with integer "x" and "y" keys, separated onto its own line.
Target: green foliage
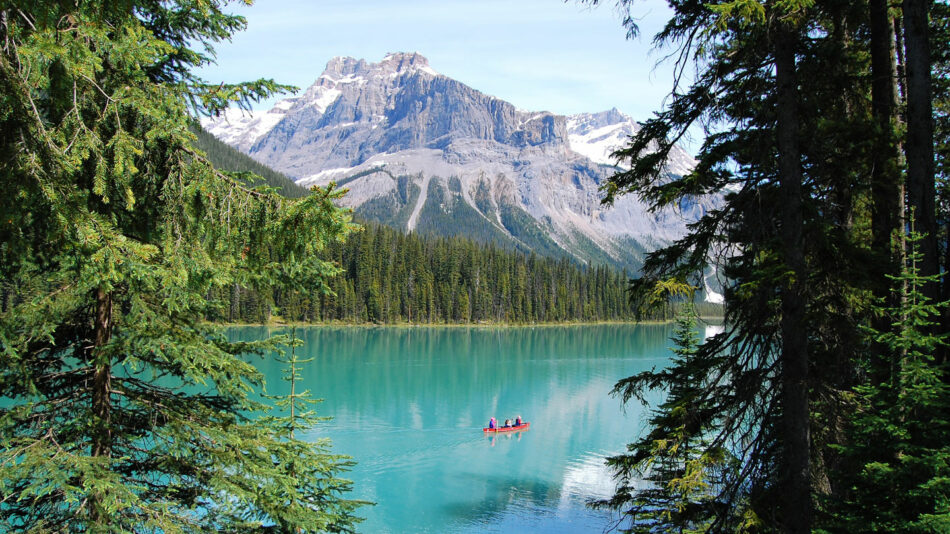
{"x": 229, "y": 159}
{"x": 529, "y": 234}
{"x": 393, "y": 209}
{"x": 806, "y": 238}
{"x": 391, "y": 277}
{"x": 666, "y": 481}
{"x": 124, "y": 410}
{"x": 447, "y": 214}
{"x": 310, "y": 464}
{"x": 899, "y": 438}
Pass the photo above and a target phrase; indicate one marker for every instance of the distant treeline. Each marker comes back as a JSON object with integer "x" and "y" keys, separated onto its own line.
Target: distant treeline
{"x": 391, "y": 277}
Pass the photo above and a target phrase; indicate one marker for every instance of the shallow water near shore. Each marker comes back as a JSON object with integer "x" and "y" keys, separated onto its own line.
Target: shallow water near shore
{"x": 409, "y": 404}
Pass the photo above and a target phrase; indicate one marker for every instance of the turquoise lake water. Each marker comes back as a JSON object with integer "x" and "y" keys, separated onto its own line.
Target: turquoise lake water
{"x": 409, "y": 404}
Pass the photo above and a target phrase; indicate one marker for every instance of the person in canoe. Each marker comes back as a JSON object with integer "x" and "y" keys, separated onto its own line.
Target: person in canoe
{"x": 518, "y": 421}
{"x": 508, "y": 427}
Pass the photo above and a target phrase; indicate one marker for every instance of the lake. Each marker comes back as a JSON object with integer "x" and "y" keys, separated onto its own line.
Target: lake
{"x": 409, "y": 403}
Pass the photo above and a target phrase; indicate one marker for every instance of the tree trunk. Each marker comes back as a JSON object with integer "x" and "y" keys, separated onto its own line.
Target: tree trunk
{"x": 885, "y": 173}
{"x": 919, "y": 146}
{"x": 235, "y": 303}
{"x": 945, "y": 297}
{"x": 102, "y": 375}
{"x": 901, "y": 63}
{"x": 887, "y": 186}
{"x": 794, "y": 355}
{"x": 101, "y": 442}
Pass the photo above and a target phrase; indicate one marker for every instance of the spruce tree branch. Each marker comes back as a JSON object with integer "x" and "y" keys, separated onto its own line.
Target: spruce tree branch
{"x": 109, "y": 99}
{"x": 234, "y": 183}
{"x": 17, "y": 87}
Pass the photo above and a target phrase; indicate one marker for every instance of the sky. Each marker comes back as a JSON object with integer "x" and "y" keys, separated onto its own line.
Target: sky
{"x": 540, "y": 55}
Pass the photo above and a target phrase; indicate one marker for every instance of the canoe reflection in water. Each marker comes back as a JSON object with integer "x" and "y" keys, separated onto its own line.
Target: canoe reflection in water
{"x": 506, "y": 434}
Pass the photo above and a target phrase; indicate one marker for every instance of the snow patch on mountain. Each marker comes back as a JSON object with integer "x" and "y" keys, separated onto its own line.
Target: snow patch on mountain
{"x": 598, "y": 135}
{"x": 324, "y": 175}
{"x": 712, "y": 296}
{"x": 240, "y": 128}
{"x": 320, "y": 99}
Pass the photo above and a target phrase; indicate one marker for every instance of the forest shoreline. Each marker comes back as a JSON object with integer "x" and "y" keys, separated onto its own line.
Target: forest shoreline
{"x": 282, "y": 324}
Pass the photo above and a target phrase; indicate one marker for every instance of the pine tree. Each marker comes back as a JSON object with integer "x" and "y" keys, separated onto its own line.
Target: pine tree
{"x": 899, "y": 437}
{"x": 310, "y": 464}
{"x": 783, "y": 88}
{"x": 391, "y": 277}
{"x": 804, "y": 145}
{"x": 673, "y": 459}
{"x": 127, "y": 411}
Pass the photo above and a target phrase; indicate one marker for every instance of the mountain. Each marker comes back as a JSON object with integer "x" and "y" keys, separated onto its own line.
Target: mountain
{"x": 423, "y": 152}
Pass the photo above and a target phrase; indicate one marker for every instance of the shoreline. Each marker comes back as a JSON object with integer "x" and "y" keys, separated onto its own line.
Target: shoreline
{"x": 341, "y": 324}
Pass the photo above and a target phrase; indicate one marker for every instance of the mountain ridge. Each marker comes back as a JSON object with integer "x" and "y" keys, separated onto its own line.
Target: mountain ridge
{"x": 419, "y": 150}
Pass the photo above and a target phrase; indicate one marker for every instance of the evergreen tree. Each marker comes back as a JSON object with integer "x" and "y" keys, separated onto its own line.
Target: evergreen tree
{"x": 390, "y": 277}
{"x": 673, "y": 458}
{"x": 785, "y": 90}
{"x": 126, "y": 411}
{"x": 310, "y": 465}
{"x": 227, "y": 158}
{"x": 899, "y": 438}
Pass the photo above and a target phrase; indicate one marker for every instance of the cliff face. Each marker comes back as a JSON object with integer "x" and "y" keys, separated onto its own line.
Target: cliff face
{"x": 356, "y": 110}
{"x": 424, "y": 152}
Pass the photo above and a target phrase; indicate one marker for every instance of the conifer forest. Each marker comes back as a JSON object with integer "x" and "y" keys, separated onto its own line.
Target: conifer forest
{"x": 390, "y": 277}
{"x": 128, "y": 237}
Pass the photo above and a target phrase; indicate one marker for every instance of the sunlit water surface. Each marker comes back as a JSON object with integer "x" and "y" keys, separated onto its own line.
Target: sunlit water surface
{"x": 409, "y": 404}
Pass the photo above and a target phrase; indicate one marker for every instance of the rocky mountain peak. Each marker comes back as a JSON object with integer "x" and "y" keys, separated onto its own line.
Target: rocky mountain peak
{"x": 405, "y": 61}
{"x": 592, "y": 121}
{"x": 344, "y": 68}
{"x": 598, "y": 135}
{"x": 341, "y": 66}
{"x": 357, "y": 109}
{"x": 424, "y": 152}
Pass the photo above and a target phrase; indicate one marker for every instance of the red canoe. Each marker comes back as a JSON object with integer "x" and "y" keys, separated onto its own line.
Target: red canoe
{"x": 522, "y": 426}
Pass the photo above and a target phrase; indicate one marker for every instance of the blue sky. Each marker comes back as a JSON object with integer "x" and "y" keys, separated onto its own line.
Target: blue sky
{"x": 537, "y": 54}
